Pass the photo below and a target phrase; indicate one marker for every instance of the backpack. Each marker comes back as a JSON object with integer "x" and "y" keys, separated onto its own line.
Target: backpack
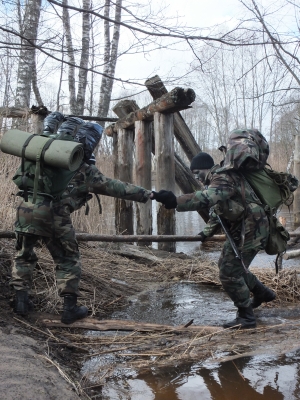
{"x": 273, "y": 188}
{"x": 36, "y": 177}
{"x": 247, "y": 152}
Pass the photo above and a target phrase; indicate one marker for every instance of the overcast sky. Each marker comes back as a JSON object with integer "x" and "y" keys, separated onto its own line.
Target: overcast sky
{"x": 194, "y": 13}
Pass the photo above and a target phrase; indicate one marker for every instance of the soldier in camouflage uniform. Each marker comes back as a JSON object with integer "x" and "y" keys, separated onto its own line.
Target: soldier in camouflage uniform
{"x": 50, "y": 221}
{"x": 229, "y": 196}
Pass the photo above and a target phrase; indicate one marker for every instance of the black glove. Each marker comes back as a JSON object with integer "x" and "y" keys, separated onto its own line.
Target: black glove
{"x": 165, "y": 197}
{"x": 202, "y": 237}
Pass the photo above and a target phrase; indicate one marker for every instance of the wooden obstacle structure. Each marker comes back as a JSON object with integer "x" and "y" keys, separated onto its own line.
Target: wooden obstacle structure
{"x": 141, "y": 135}
{"x": 151, "y": 130}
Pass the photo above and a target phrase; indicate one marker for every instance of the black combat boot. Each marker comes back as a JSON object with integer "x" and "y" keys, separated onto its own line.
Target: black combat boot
{"x": 22, "y": 305}
{"x": 245, "y": 319}
{"x": 261, "y": 294}
{"x": 72, "y": 312}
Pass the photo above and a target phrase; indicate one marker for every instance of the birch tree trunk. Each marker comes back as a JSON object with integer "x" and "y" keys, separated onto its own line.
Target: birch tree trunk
{"x": 71, "y": 58}
{"x": 29, "y": 31}
{"x": 35, "y": 87}
{"x": 84, "y": 61}
{"x": 110, "y": 59}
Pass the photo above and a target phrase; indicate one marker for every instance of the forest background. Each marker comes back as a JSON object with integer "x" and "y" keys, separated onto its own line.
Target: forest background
{"x": 240, "y": 56}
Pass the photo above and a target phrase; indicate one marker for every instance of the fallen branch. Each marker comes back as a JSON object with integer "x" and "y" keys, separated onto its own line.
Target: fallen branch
{"x": 291, "y": 254}
{"x": 124, "y": 325}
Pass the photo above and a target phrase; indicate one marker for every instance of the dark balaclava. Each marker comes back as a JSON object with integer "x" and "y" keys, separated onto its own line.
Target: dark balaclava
{"x": 201, "y": 164}
{"x": 202, "y": 161}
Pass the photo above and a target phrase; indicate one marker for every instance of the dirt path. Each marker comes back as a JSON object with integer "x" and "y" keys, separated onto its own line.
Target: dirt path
{"x": 25, "y": 371}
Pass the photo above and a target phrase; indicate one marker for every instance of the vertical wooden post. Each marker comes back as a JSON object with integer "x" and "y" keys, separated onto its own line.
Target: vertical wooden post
{"x": 143, "y": 146}
{"x": 37, "y": 123}
{"x": 124, "y": 208}
{"x": 181, "y": 130}
{"x": 296, "y": 204}
{"x": 165, "y": 173}
{"x": 123, "y": 159}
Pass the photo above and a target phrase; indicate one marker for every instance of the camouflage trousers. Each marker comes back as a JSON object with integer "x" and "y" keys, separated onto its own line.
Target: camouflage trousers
{"x": 235, "y": 281}
{"x": 65, "y": 254}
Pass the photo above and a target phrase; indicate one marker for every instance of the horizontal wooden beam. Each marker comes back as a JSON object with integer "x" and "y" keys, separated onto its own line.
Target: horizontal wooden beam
{"x": 86, "y": 237}
{"x": 23, "y": 112}
{"x": 173, "y": 101}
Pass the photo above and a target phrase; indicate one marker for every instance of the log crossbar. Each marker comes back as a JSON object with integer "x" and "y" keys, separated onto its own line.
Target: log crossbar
{"x": 86, "y": 237}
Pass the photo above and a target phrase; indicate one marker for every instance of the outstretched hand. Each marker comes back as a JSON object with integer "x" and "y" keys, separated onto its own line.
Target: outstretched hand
{"x": 165, "y": 197}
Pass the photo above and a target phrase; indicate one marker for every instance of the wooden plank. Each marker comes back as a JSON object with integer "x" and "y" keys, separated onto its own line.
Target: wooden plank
{"x": 142, "y": 168}
{"x": 165, "y": 174}
{"x": 126, "y": 325}
{"x": 176, "y": 99}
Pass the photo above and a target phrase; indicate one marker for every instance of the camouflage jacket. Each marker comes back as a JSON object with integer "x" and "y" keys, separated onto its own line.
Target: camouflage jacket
{"x": 48, "y": 217}
{"x": 224, "y": 188}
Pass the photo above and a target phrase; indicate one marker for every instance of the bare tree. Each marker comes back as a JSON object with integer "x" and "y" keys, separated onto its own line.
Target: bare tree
{"x": 29, "y": 29}
{"x": 110, "y": 57}
{"x": 77, "y": 103}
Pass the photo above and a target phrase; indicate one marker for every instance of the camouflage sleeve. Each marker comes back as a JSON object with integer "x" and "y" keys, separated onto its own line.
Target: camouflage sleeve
{"x": 211, "y": 227}
{"x": 221, "y": 188}
{"x": 98, "y": 183}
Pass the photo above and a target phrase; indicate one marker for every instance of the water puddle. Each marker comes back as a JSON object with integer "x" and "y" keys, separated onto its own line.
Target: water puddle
{"x": 265, "y": 376}
{"x": 259, "y": 377}
{"x": 255, "y": 378}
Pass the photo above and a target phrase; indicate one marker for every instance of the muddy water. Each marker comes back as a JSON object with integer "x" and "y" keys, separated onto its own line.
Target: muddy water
{"x": 259, "y": 377}
{"x": 250, "y": 378}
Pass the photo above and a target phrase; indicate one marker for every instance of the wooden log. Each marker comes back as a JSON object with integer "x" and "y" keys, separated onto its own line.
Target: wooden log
{"x": 123, "y": 167}
{"x": 181, "y": 130}
{"x": 296, "y": 204}
{"x": 15, "y": 112}
{"x": 125, "y": 107}
{"x": 126, "y": 325}
{"x": 124, "y": 208}
{"x": 187, "y": 183}
{"x": 176, "y": 99}
{"x": 37, "y": 123}
{"x": 24, "y": 112}
{"x": 165, "y": 174}
{"x": 89, "y": 237}
{"x": 143, "y": 167}
{"x": 291, "y": 254}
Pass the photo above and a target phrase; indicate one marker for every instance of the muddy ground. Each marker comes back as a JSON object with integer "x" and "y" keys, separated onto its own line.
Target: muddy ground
{"x": 40, "y": 362}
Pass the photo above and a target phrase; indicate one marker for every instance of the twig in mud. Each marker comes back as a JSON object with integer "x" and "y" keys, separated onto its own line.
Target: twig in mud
{"x": 62, "y": 373}
{"x": 242, "y": 376}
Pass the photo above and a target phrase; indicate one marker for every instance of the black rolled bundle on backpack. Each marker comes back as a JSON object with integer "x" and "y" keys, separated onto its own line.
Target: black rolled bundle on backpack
{"x": 69, "y": 128}
{"x": 52, "y": 123}
{"x": 89, "y": 134}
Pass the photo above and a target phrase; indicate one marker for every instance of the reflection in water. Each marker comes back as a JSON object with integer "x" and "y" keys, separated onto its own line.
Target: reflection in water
{"x": 256, "y": 378}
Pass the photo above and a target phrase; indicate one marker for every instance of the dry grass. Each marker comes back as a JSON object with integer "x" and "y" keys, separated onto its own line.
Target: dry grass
{"x": 107, "y": 281}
